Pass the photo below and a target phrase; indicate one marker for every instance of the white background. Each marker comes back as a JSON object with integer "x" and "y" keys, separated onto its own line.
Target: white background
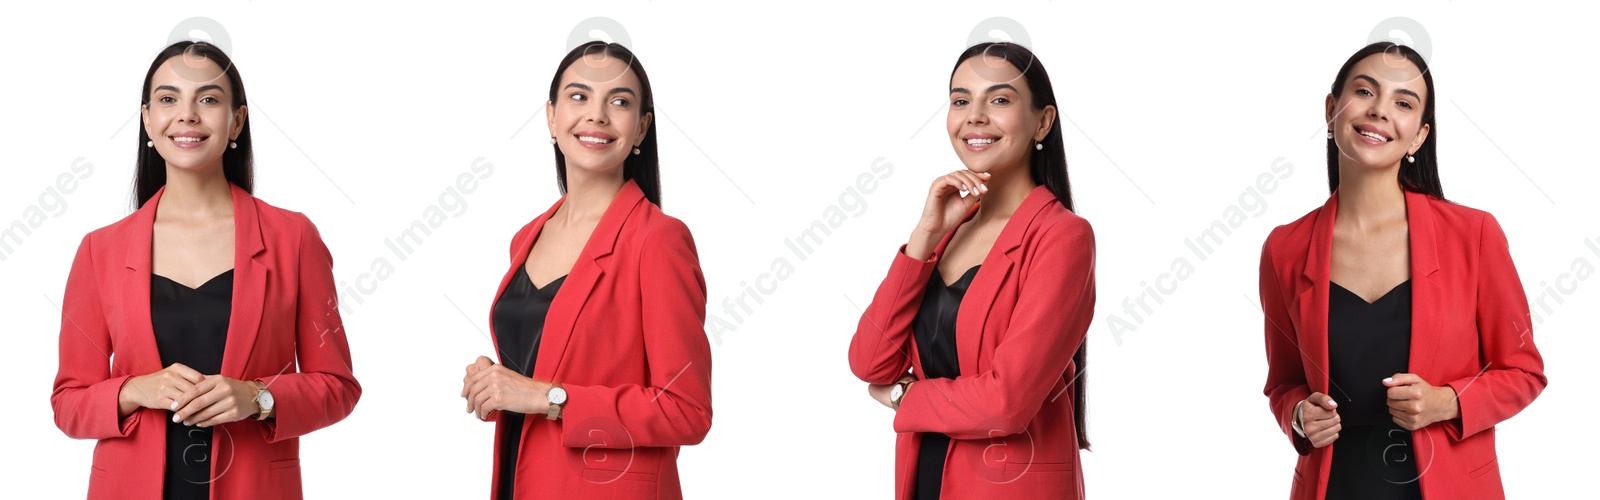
{"x": 363, "y": 117}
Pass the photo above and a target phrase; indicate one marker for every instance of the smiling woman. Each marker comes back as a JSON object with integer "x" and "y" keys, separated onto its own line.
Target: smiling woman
{"x": 1387, "y": 303}
{"x": 604, "y": 369}
{"x": 199, "y": 338}
{"x": 991, "y": 298}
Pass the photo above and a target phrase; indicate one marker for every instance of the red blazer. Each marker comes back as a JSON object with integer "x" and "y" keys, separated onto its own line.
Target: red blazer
{"x": 1025, "y": 314}
{"x": 284, "y": 310}
{"x": 1470, "y": 331}
{"x": 625, "y": 337}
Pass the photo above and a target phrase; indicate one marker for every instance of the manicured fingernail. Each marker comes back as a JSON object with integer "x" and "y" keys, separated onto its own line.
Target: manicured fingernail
{"x": 1333, "y": 403}
{"x": 984, "y": 187}
{"x": 174, "y": 407}
{"x": 175, "y": 418}
{"x": 1388, "y": 380}
{"x": 186, "y": 423}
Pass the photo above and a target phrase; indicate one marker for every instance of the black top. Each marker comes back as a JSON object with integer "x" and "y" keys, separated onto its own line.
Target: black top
{"x": 191, "y": 327}
{"x": 1373, "y": 458}
{"x": 518, "y": 326}
{"x": 934, "y": 329}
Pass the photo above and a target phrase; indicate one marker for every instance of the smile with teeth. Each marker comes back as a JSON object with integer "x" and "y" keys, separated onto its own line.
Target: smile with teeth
{"x": 187, "y": 139}
{"x": 1373, "y": 135}
{"x": 980, "y": 142}
{"x": 594, "y": 140}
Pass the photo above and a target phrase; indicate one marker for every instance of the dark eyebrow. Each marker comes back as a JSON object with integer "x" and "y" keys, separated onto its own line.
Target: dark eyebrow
{"x": 579, "y": 86}
{"x": 621, "y": 90}
{"x": 992, "y": 88}
{"x": 217, "y": 88}
{"x": 1375, "y": 83}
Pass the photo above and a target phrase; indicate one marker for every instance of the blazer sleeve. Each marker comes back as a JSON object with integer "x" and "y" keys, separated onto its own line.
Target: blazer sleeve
{"x": 879, "y": 351}
{"x": 324, "y": 389}
{"x": 674, "y": 407}
{"x": 1054, "y": 308}
{"x": 85, "y": 394}
{"x": 1514, "y": 371}
{"x": 1286, "y": 373}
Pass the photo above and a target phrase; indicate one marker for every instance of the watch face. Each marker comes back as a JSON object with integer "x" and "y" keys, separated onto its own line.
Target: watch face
{"x": 557, "y": 396}
{"x": 265, "y": 400}
{"x": 897, "y": 391}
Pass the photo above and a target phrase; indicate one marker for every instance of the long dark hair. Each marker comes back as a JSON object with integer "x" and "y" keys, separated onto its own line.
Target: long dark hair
{"x": 1048, "y": 167}
{"x": 238, "y": 164}
{"x": 643, "y": 168}
{"x": 1423, "y": 175}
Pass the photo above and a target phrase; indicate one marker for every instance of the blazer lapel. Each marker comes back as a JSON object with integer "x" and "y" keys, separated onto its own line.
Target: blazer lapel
{"x": 250, "y": 273}
{"x": 139, "y": 341}
{"x": 1426, "y": 293}
{"x": 1312, "y": 295}
{"x": 997, "y": 268}
{"x": 581, "y": 280}
{"x": 519, "y": 258}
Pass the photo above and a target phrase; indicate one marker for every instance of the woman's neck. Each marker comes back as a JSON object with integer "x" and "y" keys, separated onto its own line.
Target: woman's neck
{"x": 588, "y": 196}
{"x": 1006, "y": 192}
{"x": 196, "y": 194}
{"x": 1370, "y": 198}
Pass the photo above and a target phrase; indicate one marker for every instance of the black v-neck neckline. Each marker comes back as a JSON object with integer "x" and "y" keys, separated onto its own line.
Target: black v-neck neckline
{"x": 1333, "y": 284}
{"x": 202, "y": 286}
{"x": 965, "y": 276}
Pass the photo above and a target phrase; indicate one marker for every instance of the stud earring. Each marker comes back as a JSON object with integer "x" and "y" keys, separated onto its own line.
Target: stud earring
{"x": 1411, "y": 159}
{"x": 233, "y": 145}
{"x": 1038, "y": 146}
{"x": 636, "y": 151}
{"x": 1330, "y": 133}
{"x": 552, "y": 139}
{"x": 149, "y": 144}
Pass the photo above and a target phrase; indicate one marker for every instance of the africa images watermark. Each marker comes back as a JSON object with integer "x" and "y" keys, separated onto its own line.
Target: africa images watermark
{"x": 1252, "y": 203}
{"x": 451, "y": 203}
{"x": 51, "y": 203}
{"x": 852, "y": 203}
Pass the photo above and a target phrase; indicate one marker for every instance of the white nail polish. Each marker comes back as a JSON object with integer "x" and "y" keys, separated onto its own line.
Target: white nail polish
{"x": 174, "y": 407}
{"x": 175, "y": 418}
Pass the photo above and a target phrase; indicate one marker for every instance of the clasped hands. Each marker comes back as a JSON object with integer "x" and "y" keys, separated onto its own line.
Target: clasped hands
{"x": 194, "y": 399}
{"x": 489, "y": 387}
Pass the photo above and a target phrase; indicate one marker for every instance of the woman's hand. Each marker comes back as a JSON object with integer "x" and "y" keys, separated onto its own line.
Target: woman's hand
{"x": 217, "y": 400}
{"x": 881, "y": 392}
{"x": 160, "y": 390}
{"x": 1414, "y": 404}
{"x": 1319, "y": 418}
{"x": 949, "y": 199}
{"x": 489, "y": 387}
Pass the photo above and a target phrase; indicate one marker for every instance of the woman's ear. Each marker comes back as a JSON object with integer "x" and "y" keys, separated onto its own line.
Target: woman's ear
{"x": 1422, "y": 137}
{"x": 644, "y": 127}
{"x": 1327, "y": 115}
{"x": 1047, "y": 120}
{"x": 239, "y": 115}
{"x": 550, "y": 117}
